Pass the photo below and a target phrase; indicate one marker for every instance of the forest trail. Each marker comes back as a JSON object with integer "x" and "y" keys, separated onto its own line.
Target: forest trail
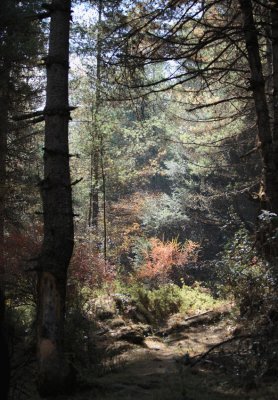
{"x": 160, "y": 367}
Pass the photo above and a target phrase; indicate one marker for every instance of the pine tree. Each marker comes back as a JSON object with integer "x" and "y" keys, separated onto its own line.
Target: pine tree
{"x": 54, "y": 372}
{"x": 19, "y": 42}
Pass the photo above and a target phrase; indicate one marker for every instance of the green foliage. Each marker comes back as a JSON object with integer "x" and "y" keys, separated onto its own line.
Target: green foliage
{"x": 161, "y": 303}
{"x": 163, "y": 214}
{"x": 168, "y": 299}
{"x": 80, "y": 325}
{"x": 268, "y": 233}
{"x": 197, "y": 299}
{"x": 140, "y": 248}
{"x": 20, "y": 321}
{"x": 244, "y": 275}
{"x": 78, "y": 328}
{"x": 20, "y": 332}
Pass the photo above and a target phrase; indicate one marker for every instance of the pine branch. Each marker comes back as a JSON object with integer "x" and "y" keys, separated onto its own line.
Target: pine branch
{"x": 23, "y": 117}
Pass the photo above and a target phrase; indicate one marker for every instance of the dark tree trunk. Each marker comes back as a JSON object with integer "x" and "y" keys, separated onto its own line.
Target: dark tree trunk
{"x": 4, "y": 112}
{"x": 54, "y": 373}
{"x": 274, "y": 41}
{"x": 95, "y": 189}
{"x": 3, "y": 156}
{"x": 267, "y": 131}
{"x": 274, "y": 38}
{"x": 4, "y": 353}
{"x": 4, "y": 102}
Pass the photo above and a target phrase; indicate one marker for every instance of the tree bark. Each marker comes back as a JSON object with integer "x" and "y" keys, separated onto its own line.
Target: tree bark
{"x": 54, "y": 373}
{"x": 95, "y": 188}
{"x": 4, "y": 353}
{"x": 274, "y": 39}
{"x": 4, "y": 102}
{"x": 4, "y": 115}
{"x": 267, "y": 130}
{"x": 96, "y": 137}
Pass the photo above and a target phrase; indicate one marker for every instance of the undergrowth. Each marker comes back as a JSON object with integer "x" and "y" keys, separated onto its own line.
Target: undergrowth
{"x": 169, "y": 299}
{"x": 247, "y": 277}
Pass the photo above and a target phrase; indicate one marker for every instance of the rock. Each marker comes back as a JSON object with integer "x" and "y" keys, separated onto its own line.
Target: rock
{"x": 134, "y": 334}
{"x": 122, "y": 301}
{"x": 104, "y": 314}
{"x": 136, "y": 316}
{"x": 132, "y": 337}
{"x": 117, "y": 322}
{"x": 103, "y": 307}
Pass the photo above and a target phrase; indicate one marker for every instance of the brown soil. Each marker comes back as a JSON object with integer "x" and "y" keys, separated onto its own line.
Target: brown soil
{"x": 160, "y": 367}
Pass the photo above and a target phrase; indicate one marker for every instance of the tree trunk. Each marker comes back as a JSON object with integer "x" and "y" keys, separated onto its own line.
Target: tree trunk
{"x": 267, "y": 132}
{"x": 3, "y": 156}
{"x": 4, "y": 112}
{"x": 4, "y": 101}
{"x": 274, "y": 39}
{"x": 54, "y": 373}
{"x": 95, "y": 188}
{"x": 104, "y": 203}
{"x": 96, "y": 137}
{"x": 4, "y": 353}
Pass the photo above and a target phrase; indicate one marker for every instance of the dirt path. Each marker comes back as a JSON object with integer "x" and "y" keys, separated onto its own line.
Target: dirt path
{"x": 159, "y": 365}
{"x": 159, "y": 369}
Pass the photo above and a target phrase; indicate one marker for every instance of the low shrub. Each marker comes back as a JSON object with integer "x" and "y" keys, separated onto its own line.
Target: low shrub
{"x": 158, "y": 304}
{"x": 161, "y": 302}
{"x": 197, "y": 299}
{"x": 245, "y": 276}
{"x": 88, "y": 268}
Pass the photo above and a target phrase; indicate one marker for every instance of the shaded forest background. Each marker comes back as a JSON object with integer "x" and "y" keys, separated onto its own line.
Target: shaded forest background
{"x": 173, "y": 142}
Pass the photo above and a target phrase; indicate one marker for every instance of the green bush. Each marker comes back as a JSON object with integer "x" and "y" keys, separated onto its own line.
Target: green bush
{"x": 158, "y": 304}
{"x": 161, "y": 302}
{"x": 197, "y": 299}
{"x": 244, "y": 275}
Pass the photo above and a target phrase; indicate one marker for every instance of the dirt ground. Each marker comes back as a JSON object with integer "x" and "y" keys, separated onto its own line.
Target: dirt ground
{"x": 161, "y": 366}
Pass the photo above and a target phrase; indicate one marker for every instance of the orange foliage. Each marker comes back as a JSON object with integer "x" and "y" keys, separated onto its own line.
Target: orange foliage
{"x": 88, "y": 268}
{"x": 125, "y": 225}
{"x": 163, "y": 256}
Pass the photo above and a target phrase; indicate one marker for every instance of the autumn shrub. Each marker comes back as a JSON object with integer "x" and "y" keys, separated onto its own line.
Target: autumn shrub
{"x": 124, "y": 227}
{"x": 157, "y": 260}
{"x": 245, "y": 276}
{"x": 89, "y": 269}
{"x": 21, "y": 251}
